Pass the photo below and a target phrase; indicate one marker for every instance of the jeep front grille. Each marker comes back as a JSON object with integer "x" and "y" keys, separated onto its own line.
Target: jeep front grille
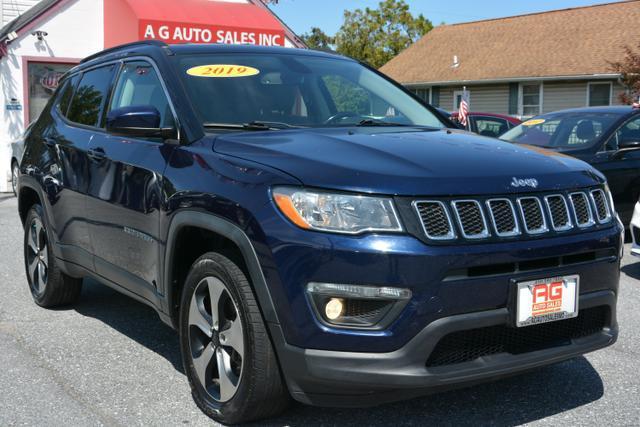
{"x": 531, "y": 210}
{"x": 435, "y": 220}
{"x": 479, "y": 218}
{"x": 470, "y": 218}
{"x": 559, "y": 212}
{"x": 581, "y": 209}
{"x": 602, "y": 207}
{"x": 503, "y": 217}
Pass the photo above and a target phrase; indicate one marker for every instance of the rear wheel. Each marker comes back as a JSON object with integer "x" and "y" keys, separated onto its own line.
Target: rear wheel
{"x": 49, "y": 286}
{"x": 226, "y": 351}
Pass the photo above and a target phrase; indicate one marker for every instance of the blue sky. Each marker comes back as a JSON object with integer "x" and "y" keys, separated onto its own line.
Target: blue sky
{"x": 301, "y": 15}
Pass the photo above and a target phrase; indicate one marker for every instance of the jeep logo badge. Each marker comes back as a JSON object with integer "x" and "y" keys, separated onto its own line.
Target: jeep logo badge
{"x": 527, "y": 182}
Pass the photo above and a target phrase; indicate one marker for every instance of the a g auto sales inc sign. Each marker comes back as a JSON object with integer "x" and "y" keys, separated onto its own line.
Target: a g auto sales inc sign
{"x": 176, "y": 32}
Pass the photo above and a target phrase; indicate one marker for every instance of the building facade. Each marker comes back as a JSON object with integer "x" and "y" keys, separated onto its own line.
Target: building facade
{"x": 40, "y": 43}
{"x": 11, "y": 9}
{"x": 523, "y": 65}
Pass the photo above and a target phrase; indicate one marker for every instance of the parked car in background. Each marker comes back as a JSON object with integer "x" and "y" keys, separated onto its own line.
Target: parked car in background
{"x": 635, "y": 230}
{"x": 17, "y": 148}
{"x": 487, "y": 124}
{"x": 606, "y": 137}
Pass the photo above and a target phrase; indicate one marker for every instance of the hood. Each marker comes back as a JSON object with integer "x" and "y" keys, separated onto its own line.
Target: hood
{"x": 408, "y": 161}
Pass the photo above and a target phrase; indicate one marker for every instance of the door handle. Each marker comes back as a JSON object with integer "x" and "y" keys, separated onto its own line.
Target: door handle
{"x": 96, "y": 154}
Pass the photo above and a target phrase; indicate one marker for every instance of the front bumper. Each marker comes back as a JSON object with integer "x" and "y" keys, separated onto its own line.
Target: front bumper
{"x": 334, "y": 378}
{"x": 635, "y": 231}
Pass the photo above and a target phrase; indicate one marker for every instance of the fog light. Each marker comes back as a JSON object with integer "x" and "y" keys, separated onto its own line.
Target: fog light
{"x": 357, "y": 306}
{"x": 334, "y": 308}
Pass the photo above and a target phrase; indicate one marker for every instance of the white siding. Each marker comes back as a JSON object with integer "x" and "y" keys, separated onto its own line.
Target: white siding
{"x": 486, "y": 99}
{"x": 446, "y": 98}
{"x": 490, "y": 99}
{"x": 10, "y": 9}
{"x": 563, "y": 95}
{"x": 559, "y": 96}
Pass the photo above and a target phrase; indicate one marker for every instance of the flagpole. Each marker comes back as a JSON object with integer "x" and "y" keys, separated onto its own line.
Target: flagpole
{"x": 464, "y": 93}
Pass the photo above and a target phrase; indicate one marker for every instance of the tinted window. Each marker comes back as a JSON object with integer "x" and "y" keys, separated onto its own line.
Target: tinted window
{"x": 629, "y": 132}
{"x": 563, "y": 130}
{"x": 90, "y": 96}
{"x": 599, "y": 94}
{"x": 296, "y": 90}
{"x": 139, "y": 85}
{"x": 66, "y": 92}
{"x": 490, "y": 126}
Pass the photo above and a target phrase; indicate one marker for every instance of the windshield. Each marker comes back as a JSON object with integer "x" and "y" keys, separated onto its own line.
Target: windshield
{"x": 295, "y": 90}
{"x": 565, "y": 131}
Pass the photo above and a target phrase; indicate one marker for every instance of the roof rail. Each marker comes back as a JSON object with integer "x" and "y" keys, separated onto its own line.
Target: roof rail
{"x": 124, "y": 46}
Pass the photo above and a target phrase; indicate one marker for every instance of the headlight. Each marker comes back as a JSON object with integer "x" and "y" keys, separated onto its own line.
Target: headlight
{"x": 335, "y": 212}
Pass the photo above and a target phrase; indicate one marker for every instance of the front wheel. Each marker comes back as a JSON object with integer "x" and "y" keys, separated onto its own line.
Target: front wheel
{"x": 226, "y": 351}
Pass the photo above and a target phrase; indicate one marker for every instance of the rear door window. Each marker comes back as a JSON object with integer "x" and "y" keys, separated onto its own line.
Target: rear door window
{"x": 90, "y": 96}
{"x": 66, "y": 93}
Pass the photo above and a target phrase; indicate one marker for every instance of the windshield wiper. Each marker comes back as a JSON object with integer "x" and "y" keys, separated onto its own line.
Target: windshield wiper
{"x": 253, "y": 125}
{"x": 269, "y": 125}
{"x": 376, "y": 122}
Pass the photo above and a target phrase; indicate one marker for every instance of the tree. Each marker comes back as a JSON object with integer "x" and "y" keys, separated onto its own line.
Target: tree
{"x": 377, "y": 35}
{"x": 317, "y": 39}
{"x": 629, "y": 69}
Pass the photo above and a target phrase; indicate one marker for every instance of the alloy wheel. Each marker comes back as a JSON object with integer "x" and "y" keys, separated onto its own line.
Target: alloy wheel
{"x": 216, "y": 339}
{"x": 37, "y": 256}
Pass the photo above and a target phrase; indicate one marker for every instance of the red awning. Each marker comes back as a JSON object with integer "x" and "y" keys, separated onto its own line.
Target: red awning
{"x": 190, "y": 21}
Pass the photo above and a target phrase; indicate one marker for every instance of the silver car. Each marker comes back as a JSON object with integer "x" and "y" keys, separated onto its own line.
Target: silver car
{"x": 17, "y": 148}
{"x": 635, "y": 230}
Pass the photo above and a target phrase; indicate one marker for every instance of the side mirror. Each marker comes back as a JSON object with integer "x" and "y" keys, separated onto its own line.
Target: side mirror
{"x": 624, "y": 147}
{"x": 629, "y": 145}
{"x": 137, "y": 121}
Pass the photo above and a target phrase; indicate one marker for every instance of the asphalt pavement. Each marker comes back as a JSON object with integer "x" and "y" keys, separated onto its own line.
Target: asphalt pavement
{"x": 111, "y": 361}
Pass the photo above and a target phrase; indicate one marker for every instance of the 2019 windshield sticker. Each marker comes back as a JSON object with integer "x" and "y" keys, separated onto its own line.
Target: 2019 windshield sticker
{"x": 533, "y": 122}
{"x": 222, "y": 71}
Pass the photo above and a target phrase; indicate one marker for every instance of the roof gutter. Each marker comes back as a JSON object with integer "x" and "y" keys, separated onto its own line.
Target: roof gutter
{"x": 26, "y": 26}
{"x": 288, "y": 31}
{"x": 607, "y": 76}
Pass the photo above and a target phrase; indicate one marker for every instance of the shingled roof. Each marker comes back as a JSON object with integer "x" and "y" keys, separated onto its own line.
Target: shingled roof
{"x": 568, "y": 42}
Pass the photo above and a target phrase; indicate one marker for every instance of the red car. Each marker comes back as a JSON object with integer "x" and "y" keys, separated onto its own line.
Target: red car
{"x": 488, "y": 124}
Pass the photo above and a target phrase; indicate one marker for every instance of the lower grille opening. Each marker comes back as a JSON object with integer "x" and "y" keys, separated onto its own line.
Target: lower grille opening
{"x": 532, "y": 265}
{"x": 538, "y": 264}
{"x": 466, "y": 346}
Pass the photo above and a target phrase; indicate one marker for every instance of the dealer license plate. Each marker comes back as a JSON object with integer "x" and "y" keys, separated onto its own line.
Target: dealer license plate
{"x": 547, "y": 300}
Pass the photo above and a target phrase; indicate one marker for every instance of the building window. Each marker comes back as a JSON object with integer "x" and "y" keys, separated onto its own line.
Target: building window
{"x": 598, "y": 94}
{"x": 42, "y": 79}
{"x": 457, "y": 99}
{"x": 530, "y": 99}
{"x": 423, "y": 94}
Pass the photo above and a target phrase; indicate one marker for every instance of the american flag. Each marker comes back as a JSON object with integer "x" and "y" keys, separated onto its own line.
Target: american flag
{"x": 463, "y": 112}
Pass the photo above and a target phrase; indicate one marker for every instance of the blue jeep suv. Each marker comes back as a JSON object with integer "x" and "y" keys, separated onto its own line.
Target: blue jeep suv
{"x": 310, "y": 228}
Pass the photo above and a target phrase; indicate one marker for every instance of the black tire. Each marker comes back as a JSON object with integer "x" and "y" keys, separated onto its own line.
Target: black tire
{"x": 49, "y": 286}
{"x": 259, "y": 391}
{"x": 15, "y": 170}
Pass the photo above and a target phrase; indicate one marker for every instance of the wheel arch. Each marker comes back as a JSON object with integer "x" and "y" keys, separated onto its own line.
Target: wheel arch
{"x": 27, "y": 197}
{"x": 193, "y": 220}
